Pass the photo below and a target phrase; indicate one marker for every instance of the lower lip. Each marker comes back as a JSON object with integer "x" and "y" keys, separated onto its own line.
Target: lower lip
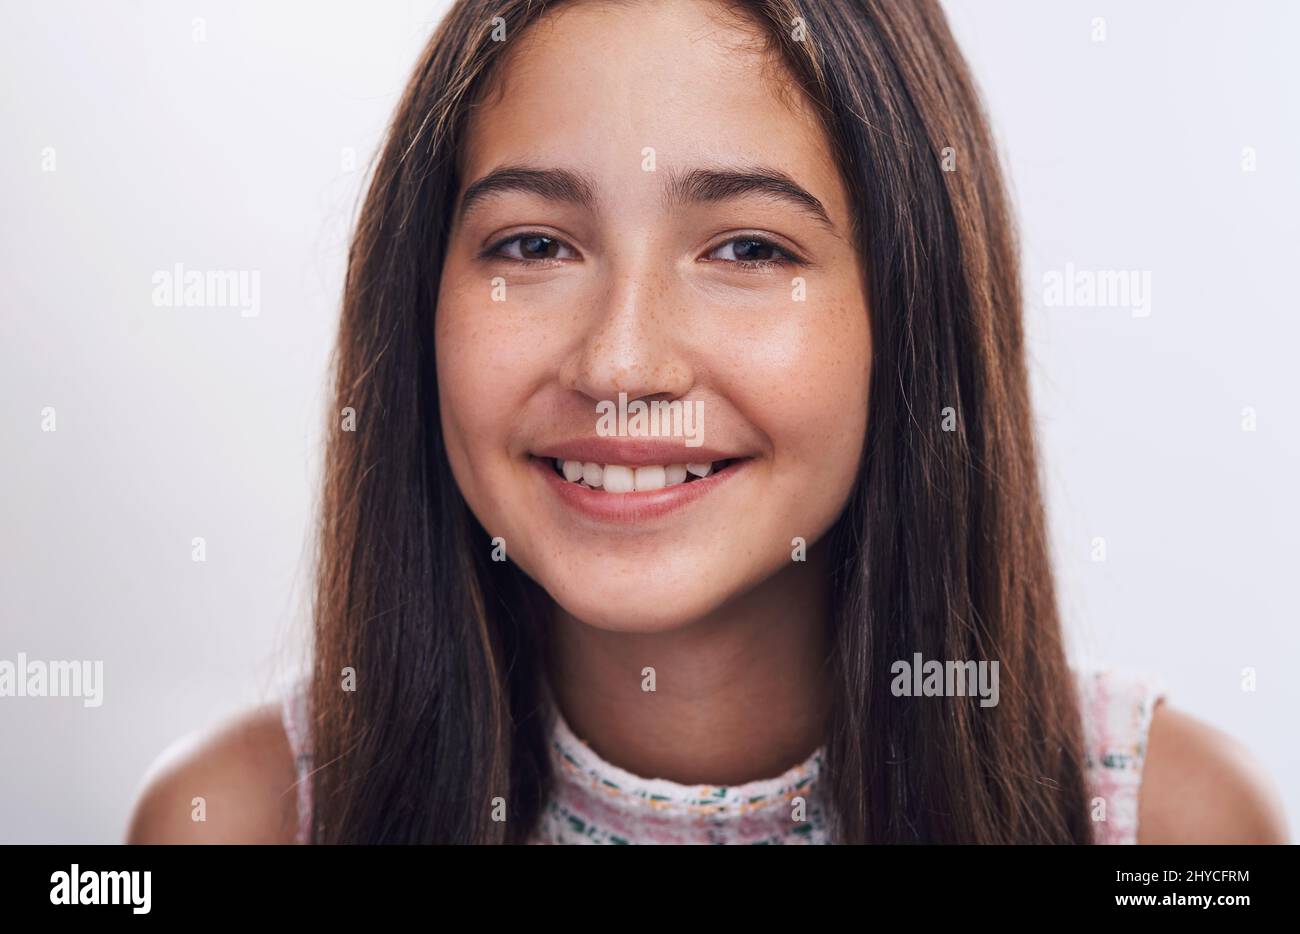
{"x": 634, "y": 507}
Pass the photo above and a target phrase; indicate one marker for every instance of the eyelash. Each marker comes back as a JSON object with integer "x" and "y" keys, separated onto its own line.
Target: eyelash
{"x": 753, "y": 264}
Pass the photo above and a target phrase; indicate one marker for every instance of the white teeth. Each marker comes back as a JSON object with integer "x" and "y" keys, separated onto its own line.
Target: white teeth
{"x": 650, "y": 478}
{"x": 618, "y": 479}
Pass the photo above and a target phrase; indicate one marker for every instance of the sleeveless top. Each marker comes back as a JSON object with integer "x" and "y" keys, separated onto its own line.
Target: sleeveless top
{"x": 594, "y": 801}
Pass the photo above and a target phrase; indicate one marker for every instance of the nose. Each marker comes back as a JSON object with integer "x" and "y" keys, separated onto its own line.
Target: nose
{"x": 631, "y": 343}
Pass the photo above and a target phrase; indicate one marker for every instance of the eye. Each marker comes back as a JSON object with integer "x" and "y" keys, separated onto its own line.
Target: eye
{"x": 753, "y": 252}
{"x": 531, "y": 247}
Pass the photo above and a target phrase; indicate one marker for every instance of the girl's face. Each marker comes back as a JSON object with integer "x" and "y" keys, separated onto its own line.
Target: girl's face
{"x": 651, "y": 213}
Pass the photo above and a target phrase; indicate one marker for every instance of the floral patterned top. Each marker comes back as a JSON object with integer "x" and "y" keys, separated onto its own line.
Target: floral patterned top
{"x": 594, "y": 801}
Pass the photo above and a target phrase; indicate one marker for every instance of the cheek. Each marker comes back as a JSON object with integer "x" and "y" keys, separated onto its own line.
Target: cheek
{"x": 474, "y": 341}
{"x": 478, "y": 394}
{"x": 812, "y": 405}
{"x": 461, "y": 394}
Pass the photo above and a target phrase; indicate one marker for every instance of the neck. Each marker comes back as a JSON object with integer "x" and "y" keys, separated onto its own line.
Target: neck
{"x": 740, "y": 694}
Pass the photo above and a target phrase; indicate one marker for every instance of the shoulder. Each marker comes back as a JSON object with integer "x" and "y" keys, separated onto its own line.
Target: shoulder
{"x": 232, "y": 783}
{"x": 1202, "y": 786}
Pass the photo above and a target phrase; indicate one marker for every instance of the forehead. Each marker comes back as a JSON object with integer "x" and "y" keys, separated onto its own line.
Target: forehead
{"x": 597, "y": 85}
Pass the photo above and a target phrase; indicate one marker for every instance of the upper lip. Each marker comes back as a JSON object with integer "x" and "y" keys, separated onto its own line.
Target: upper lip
{"x": 633, "y": 452}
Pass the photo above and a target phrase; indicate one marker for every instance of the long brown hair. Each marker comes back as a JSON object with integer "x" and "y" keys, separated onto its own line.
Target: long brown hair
{"x": 941, "y": 550}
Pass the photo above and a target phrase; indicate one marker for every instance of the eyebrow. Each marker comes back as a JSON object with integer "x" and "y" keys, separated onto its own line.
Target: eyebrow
{"x": 700, "y": 185}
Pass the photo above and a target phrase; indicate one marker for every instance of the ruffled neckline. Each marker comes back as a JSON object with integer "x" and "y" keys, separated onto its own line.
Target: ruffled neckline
{"x": 595, "y": 801}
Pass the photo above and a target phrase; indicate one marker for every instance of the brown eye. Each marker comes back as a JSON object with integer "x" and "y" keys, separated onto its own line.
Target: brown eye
{"x": 754, "y": 250}
{"x": 538, "y": 247}
{"x": 531, "y": 248}
{"x": 751, "y": 252}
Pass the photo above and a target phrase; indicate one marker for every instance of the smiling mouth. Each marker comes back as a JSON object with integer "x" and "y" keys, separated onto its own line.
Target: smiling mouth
{"x": 618, "y": 478}
{"x": 629, "y": 497}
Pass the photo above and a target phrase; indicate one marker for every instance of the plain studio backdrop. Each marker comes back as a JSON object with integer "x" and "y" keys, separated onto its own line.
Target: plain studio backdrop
{"x": 1157, "y": 139}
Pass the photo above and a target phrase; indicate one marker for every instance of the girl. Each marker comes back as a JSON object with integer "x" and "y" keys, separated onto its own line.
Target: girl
{"x": 824, "y": 614}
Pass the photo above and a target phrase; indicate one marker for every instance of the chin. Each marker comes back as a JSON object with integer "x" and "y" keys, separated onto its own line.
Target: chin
{"x": 654, "y": 602}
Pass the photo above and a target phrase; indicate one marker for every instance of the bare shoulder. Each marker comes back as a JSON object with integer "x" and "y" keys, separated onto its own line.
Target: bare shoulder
{"x": 1199, "y": 785}
{"x": 238, "y": 777}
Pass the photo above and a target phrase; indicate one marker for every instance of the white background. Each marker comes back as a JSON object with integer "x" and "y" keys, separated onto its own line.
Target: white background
{"x": 177, "y": 423}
